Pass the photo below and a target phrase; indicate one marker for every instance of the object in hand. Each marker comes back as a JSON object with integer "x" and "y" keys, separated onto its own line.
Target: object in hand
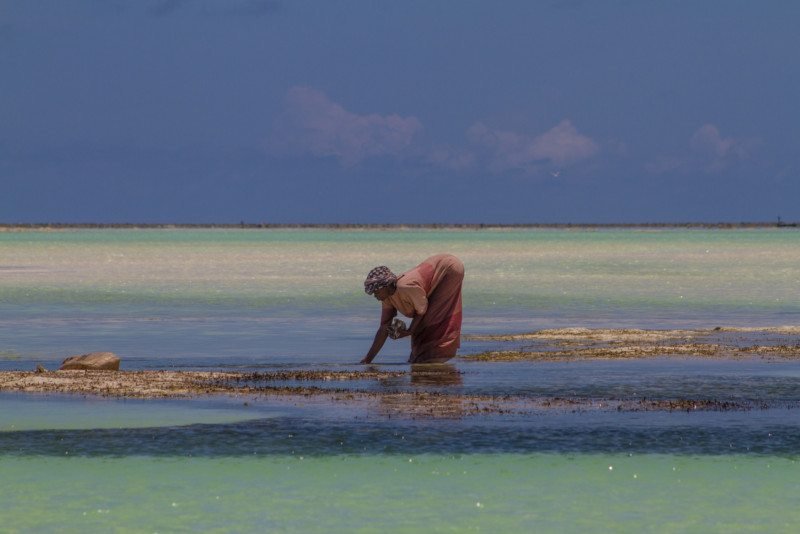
{"x": 396, "y": 328}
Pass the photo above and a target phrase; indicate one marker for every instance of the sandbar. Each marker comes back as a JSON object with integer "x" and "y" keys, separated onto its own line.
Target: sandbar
{"x": 376, "y": 388}
{"x": 575, "y": 344}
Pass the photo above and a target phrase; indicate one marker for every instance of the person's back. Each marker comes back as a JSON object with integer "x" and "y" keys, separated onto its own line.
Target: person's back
{"x": 430, "y": 294}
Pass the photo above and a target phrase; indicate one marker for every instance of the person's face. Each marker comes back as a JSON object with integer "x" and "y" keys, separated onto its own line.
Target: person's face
{"x": 383, "y": 293}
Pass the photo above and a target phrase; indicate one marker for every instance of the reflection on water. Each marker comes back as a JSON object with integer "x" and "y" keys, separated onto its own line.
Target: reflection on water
{"x": 429, "y": 409}
{"x": 421, "y": 405}
{"x": 441, "y": 374}
{"x": 435, "y": 394}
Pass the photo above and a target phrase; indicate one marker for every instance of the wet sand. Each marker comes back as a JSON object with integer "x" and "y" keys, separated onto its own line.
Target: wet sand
{"x": 375, "y": 388}
{"x": 414, "y": 404}
{"x": 255, "y": 386}
{"x": 575, "y": 344}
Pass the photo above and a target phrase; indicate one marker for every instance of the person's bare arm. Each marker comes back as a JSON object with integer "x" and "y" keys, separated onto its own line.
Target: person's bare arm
{"x": 387, "y": 314}
{"x": 377, "y": 344}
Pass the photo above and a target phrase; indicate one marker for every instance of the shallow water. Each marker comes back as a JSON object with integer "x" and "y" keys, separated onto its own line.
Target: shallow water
{"x": 404, "y": 493}
{"x": 46, "y": 412}
{"x": 158, "y": 297}
{"x": 284, "y": 299}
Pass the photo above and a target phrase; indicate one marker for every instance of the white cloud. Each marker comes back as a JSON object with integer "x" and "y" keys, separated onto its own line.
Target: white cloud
{"x": 716, "y": 151}
{"x": 709, "y": 151}
{"x": 313, "y": 124}
{"x": 561, "y": 146}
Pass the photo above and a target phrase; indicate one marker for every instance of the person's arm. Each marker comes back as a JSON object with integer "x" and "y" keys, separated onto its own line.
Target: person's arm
{"x": 377, "y": 344}
{"x": 412, "y": 328}
{"x": 420, "y": 307}
{"x": 387, "y": 314}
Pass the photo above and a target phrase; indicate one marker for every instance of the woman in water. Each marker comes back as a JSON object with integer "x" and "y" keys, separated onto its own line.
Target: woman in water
{"x": 430, "y": 295}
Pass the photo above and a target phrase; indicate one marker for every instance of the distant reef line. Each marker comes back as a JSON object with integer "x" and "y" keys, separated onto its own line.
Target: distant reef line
{"x": 390, "y": 226}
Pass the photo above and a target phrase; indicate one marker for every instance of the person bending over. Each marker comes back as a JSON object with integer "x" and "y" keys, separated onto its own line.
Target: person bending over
{"x": 430, "y": 295}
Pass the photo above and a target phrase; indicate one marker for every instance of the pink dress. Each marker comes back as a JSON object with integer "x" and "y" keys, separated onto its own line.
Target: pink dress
{"x": 431, "y": 291}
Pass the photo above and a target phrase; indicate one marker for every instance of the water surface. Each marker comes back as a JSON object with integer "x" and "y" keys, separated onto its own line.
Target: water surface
{"x": 261, "y": 300}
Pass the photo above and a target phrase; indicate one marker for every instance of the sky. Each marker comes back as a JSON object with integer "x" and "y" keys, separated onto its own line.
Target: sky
{"x": 378, "y": 111}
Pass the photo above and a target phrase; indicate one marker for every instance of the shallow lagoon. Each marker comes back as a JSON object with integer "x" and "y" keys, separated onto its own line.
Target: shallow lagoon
{"x": 265, "y": 300}
{"x": 164, "y": 297}
{"x": 404, "y": 493}
{"x": 230, "y": 464}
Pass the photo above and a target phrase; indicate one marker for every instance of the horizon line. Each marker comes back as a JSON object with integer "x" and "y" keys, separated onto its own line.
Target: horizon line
{"x": 246, "y": 225}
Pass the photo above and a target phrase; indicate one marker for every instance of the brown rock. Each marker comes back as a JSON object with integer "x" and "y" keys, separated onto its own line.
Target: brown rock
{"x": 92, "y": 361}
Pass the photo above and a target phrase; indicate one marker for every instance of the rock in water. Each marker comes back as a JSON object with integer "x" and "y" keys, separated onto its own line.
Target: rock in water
{"x": 92, "y": 361}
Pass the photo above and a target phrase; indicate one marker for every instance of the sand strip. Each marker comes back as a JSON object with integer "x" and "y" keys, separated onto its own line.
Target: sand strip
{"x": 568, "y": 344}
{"x": 386, "y": 403}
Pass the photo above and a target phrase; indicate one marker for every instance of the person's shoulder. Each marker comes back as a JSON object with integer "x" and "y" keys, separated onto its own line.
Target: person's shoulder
{"x": 409, "y": 279}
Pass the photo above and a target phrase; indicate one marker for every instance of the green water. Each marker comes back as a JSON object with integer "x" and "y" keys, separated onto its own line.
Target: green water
{"x": 178, "y": 295}
{"x": 278, "y": 299}
{"x": 519, "y": 268}
{"x": 495, "y": 493}
{"x": 66, "y": 412}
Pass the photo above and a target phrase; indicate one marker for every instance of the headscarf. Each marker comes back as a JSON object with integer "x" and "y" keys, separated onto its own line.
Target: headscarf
{"x": 378, "y": 278}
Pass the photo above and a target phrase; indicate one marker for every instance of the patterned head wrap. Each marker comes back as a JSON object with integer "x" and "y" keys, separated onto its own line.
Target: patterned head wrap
{"x": 378, "y": 278}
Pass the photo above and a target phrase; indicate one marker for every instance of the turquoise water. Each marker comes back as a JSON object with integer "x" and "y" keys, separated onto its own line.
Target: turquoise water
{"x": 431, "y": 493}
{"x": 276, "y": 299}
{"x": 269, "y": 296}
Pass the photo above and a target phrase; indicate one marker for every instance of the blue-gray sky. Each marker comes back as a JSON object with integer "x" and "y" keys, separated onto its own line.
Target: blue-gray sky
{"x": 390, "y": 112}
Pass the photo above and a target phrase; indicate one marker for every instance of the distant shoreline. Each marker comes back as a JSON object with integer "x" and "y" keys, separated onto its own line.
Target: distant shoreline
{"x": 399, "y": 226}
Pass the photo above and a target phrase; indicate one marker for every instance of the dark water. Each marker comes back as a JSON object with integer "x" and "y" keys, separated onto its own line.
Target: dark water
{"x": 765, "y": 419}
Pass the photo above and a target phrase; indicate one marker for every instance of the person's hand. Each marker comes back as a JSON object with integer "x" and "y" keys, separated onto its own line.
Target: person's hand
{"x": 402, "y": 333}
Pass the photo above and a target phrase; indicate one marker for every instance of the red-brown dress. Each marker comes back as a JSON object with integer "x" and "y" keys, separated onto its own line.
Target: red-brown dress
{"x": 432, "y": 292}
